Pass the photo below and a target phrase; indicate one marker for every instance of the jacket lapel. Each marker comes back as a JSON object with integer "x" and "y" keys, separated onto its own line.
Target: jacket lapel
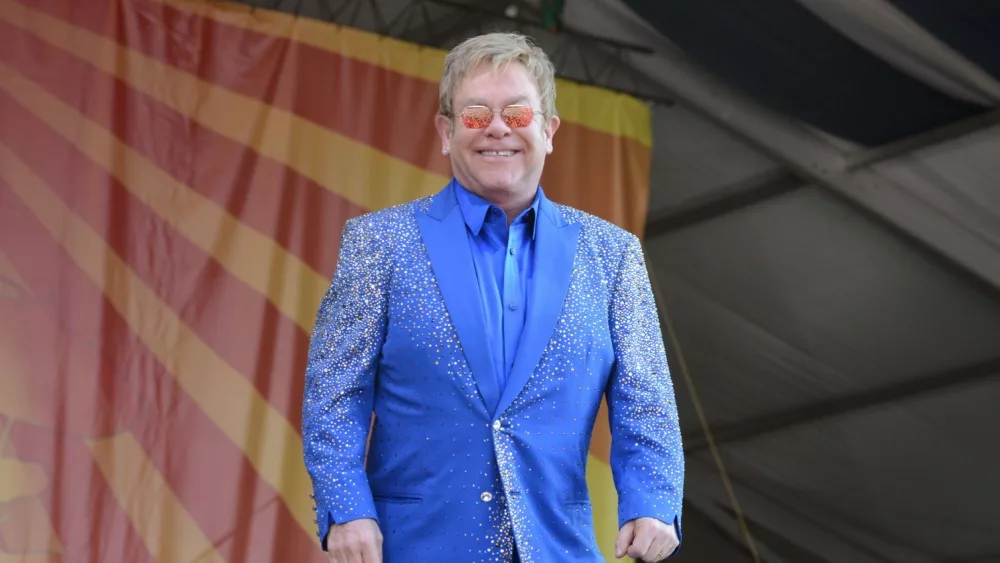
{"x": 555, "y": 250}
{"x": 444, "y": 235}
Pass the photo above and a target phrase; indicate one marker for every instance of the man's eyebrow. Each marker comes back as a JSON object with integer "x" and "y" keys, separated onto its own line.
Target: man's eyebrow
{"x": 510, "y": 101}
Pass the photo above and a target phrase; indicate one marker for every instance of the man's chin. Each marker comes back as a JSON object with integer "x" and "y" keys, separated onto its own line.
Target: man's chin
{"x": 499, "y": 187}
{"x": 490, "y": 180}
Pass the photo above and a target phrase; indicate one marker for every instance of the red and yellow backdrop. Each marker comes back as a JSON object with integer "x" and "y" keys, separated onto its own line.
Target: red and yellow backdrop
{"x": 174, "y": 175}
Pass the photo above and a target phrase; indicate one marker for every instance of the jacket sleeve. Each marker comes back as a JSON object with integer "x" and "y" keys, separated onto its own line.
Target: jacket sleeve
{"x": 647, "y": 459}
{"x": 340, "y": 379}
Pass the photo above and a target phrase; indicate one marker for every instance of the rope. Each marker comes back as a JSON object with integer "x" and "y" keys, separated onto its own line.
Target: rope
{"x": 676, "y": 347}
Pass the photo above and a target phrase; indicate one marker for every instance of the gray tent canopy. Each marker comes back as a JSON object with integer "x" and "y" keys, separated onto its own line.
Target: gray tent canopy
{"x": 824, "y": 236}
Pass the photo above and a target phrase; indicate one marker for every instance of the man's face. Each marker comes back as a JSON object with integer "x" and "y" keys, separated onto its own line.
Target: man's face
{"x": 499, "y": 162}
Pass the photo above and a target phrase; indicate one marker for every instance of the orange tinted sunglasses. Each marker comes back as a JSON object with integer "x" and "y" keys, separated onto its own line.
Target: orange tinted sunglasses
{"x": 480, "y": 117}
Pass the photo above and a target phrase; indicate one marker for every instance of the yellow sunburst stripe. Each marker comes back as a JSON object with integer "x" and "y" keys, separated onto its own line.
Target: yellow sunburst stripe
{"x": 604, "y": 504}
{"x": 25, "y": 558}
{"x": 16, "y": 406}
{"x": 10, "y": 276}
{"x": 271, "y": 444}
{"x": 342, "y": 165}
{"x": 157, "y": 515}
{"x": 39, "y": 535}
{"x": 247, "y": 254}
{"x": 595, "y": 108}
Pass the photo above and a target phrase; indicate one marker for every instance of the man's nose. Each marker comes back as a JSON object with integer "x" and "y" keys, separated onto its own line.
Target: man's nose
{"x": 497, "y": 128}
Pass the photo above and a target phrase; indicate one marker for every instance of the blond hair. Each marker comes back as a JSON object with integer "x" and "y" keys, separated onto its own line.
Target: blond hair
{"x": 498, "y": 49}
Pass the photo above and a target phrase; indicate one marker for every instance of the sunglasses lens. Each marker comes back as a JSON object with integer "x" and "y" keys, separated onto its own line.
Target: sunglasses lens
{"x": 477, "y": 117}
{"x": 518, "y": 116}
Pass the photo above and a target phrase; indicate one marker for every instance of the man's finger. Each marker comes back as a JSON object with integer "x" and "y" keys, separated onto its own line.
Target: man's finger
{"x": 658, "y": 549}
{"x": 624, "y": 540}
{"x": 346, "y": 556}
{"x": 360, "y": 554}
{"x": 644, "y": 536}
{"x": 348, "y": 552}
{"x": 372, "y": 551}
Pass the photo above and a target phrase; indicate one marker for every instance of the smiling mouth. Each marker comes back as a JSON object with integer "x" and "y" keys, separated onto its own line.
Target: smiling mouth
{"x": 498, "y": 153}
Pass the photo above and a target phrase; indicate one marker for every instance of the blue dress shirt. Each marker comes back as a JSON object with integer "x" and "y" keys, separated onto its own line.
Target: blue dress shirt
{"x": 503, "y": 258}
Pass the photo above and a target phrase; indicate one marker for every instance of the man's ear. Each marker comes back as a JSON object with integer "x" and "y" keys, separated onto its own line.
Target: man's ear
{"x": 444, "y": 129}
{"x": 550, "y": 131}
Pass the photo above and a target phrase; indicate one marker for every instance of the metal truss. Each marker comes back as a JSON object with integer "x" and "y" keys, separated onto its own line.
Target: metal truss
{"x": 836, "y": 406}
{"x": 577, "y": 56}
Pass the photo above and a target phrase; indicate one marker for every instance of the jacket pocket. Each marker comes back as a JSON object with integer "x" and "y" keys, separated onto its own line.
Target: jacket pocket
{"x": 580, "y": 513}
{"x": 401, "y": 516}
{"x": 397, "y": 498}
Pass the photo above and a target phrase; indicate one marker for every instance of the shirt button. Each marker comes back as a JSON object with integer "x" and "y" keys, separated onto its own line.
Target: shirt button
{"x": 512, "y": 306}
{"x": 486, "y": 496}
{"x": 497, "y": 425}
{"x": 511, "y": 251}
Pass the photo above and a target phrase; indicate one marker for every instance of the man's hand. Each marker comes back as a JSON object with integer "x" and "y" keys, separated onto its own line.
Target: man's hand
{"x": 646, "y": 538}
{"x": 357, "y": 541}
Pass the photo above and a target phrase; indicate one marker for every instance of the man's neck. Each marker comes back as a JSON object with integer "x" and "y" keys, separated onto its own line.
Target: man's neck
{"x": 513, "y": 212}
{"x": 512, "y": 206}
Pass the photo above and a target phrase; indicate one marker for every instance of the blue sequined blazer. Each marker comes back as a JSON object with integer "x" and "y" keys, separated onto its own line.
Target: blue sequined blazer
{"x": 457, "y": 471}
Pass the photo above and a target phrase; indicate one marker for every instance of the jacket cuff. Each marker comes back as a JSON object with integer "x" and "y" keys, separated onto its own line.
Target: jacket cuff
{"x": 630, "y": 509}
{"x": 328, "y": 516}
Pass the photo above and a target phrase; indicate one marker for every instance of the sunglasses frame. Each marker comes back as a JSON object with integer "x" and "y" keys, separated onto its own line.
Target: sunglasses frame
{"x": 466, "y": 120}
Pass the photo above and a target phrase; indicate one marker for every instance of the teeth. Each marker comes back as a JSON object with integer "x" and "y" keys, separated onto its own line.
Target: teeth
{"x": 497, "y": 153}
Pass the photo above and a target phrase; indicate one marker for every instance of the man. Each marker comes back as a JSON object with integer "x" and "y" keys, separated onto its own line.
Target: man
{"x": 483, "y": 326}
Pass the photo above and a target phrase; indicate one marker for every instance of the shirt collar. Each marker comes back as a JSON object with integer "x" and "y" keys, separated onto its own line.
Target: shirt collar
{"x": 474, "y": 208}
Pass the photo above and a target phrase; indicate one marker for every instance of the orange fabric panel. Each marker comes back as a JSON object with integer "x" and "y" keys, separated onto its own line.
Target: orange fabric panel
{"x": 602, "y": 173}
{"x": 169, "y": 349}
{"x": 55, "y": 396}
{"x": 247, "y": 185}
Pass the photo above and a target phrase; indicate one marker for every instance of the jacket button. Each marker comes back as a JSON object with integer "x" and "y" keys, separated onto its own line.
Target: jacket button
{"x": 497, "y": 425}
{"x": 486, "y": 496}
